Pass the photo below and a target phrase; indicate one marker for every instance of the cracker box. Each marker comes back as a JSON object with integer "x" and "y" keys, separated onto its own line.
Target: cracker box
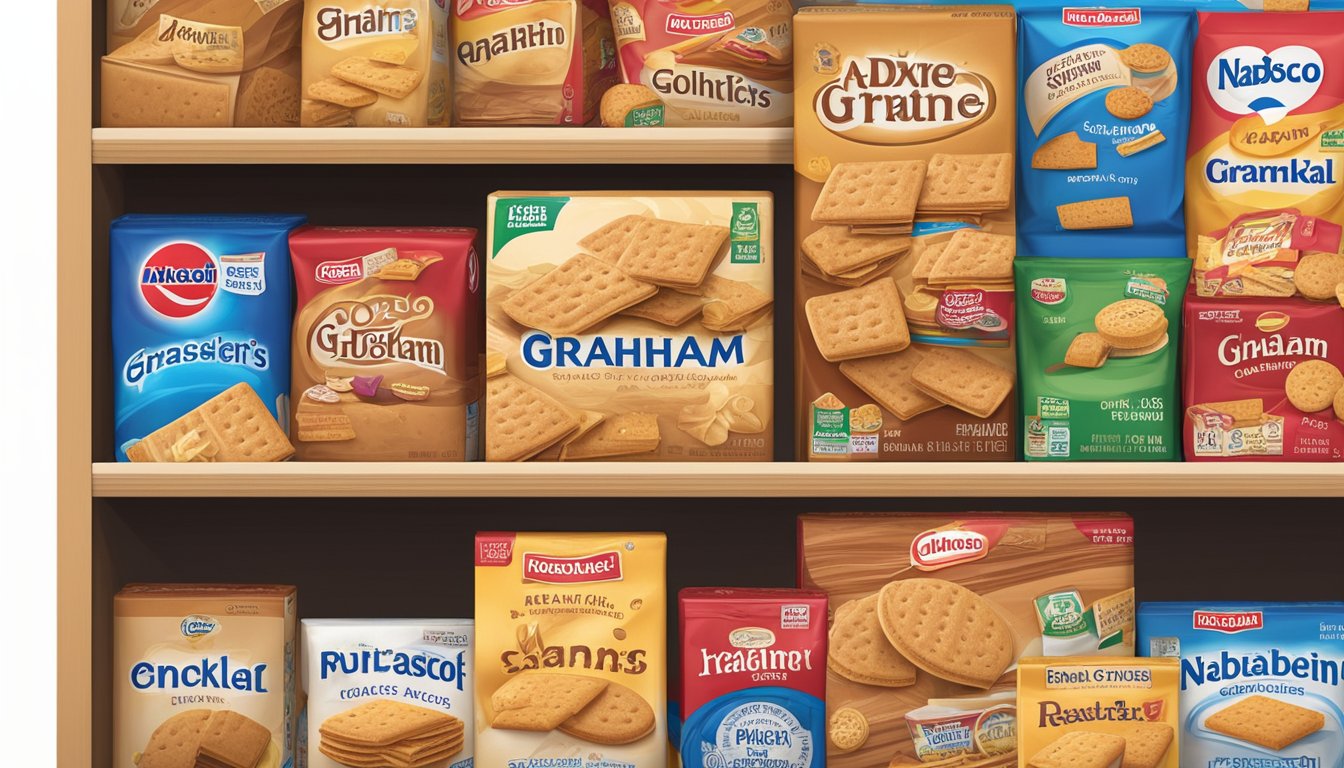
{"x": 203, "y": 674}
{"x": 1262, "y": 380}
{"x": 693, "y": 63}
{"x": 1266, "y": 199}
{"x": 1097, "y": 357}
{"x": 931, "y": 612}
{"x": 386, "y": 346}
{"x": 1260, "y": 682}
{"x": 194, "y": 64}
{"x": 903, "y": 170}
{"x": 377, "y": 64}
{"x": 201, "y": 310}
{"x": 1102, "y": 123}
{"x": 396, "y": 692}
{"x": 1098, "y": 711}
{"x": 531, "y": 62}
{"x": 571, "y": 649}
{"x": 753, "y": 677}
{"x": 630, "y": 326}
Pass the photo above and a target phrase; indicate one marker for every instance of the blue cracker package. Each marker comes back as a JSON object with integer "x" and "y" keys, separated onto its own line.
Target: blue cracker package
{"x": 1102, "y": 123}
{"x": 199, "y": 304}
{"x": 1260, "y": 682}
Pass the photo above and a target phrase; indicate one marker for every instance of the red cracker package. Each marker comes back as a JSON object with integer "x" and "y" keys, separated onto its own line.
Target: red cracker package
{"x": 1263, "y": 380}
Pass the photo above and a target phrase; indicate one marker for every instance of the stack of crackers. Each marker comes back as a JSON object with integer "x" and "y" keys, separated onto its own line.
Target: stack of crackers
{"x": 1126, "y": 328}
{"x": 588, "y": 708}
{"x": 1144, "y": 744}
{"x": 234, "y": 425}
{"x": 203, "y": 738}
{"x": 390, "y": 734}
{"x": 357, "y": 81}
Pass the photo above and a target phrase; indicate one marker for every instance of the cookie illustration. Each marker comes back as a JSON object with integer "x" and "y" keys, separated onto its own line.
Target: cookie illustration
{"x": 1128, "y": 103}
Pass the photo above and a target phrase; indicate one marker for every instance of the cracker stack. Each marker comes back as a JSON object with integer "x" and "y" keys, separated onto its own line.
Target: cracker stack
{"x": 202, "y": 738}
{"x": 390, "y": 734}
{"x": 234, "y": 425}
{"x": 588, "y": 708}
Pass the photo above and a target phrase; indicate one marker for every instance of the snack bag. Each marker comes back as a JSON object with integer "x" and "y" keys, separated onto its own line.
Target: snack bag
{"x": 1265, "y": 178}
{"x": 1101, "y": 130}
{"x": 690, "y": 62}
{"x": 1097, "y": 357}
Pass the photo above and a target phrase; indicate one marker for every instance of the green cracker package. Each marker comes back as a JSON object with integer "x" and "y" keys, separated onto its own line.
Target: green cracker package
{"x": 1097, "y": 354}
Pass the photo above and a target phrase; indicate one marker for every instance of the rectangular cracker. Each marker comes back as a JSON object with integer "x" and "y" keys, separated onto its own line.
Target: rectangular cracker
{"x": 672, "y": 253}
{"x": 608, "y": 241}
{"x": 1266, "y": 721}
{"x": 881, "y": 229}
{"x": 667, "y": 307}
{"x": 1146, "y": 744}
{"x": 388, "y": 79}
{"x": 835, "y": 250}
{"x": 1146, "y": 141}
{"x": 1103, "y": 213}
{"x": 320, "y": 114}
{"x": 521, "y": 420}
{"x": 233, "y": 739}
{"x": 1065, "y": 152}
{"x": 974, "y": 255}
{"x": 1087, "y": 350}
{"x": 539, "y": 701}
{"x": 625, "y": 434}
{"x": 1244, "y": 413}
{"x": 1080, "y": 749}
{"x": 575, "y": 296}
{"x": 732, "y": 304}
{"x": 967, "y": 183}
{"x": 334, "y": 90}
{"x": 926, "y": 252}
{"x": 883, "y": 192}
{"x": 134, "y": 96}
{"x": 963, "y": 380}
{"x": 858, "y": 277}
{"x": 859, "y": 322}
{"x": 587, "y": 420}
{"x": 381, "y": 722}
{"x": 234, "y": 425}
{"x": 886, "y": 379}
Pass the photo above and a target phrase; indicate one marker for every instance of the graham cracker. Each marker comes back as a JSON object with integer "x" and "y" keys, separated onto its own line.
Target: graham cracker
{"x": 233, "y": 740}
{"x": 859, "y": 651}
{"x": 963, "y": 380}
{"x": 1065, "y": 152}
{"x": 1289, "y": 6}
{"x": 234, "y": 425}
{"x": 1311, "y": 385}
{"x": 1104, "y": 213}
{"x": 967, "y": 183}
{"x": 575, "y": 296}
{"x": 336, "y": 91}
{"x": 176, "y": 742}
{"x": 267, "y": 96}
{"x": 540, "y": 701}
{"x": 860, "y": 322}
{"x": 521, "y": 420}
{"x": 672, "y": 253}
{"x": 667, "y": 307}
{"x": 1266, "y": 721}
{"x": 617, "y": 716}
{"x": 381, "y": 721}
{"x": 587, "y": 420}
{"x": 608, "y": 241}
{"x": 834, "y": 250}
{"x": 1080, "y": 749}
{"x": 1244, "y": 413}
{"x": 321, "y": 114}
{"x": 946, "y": 630}
{"x": 974, "y": 255}
{"x": 1135, "y": 146}
{"x": 625, "y": 434}
{"x": 1087, "y": 350}
{"x": 856, "y": 278}
{"x": 733, "y": 305}
{"x": 1146, "y": 744}
{"x": 881, "y": 229}
{"x": 388, "y": 79}
{"x": 1131, "y": 323}
{"x": 926, "y": 252}
{"x": 134, "y": 96}
{"x": 881, "y": 192}
{"x": 887, "y": 379}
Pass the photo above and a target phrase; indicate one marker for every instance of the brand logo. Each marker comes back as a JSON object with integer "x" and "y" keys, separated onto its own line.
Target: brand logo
{"x": 1231, "y": 622}
{"x": 541, "y": 351}
{"x": 1245, "y": 80}
{"x": 1235, "y": 350}
{"x": 711, "y": 85}
{"x": 411, "y": 663}
{"x": 197, "y": 625}
{"x": 524, "y": 37}
{"x": 337, "y": 24}
{"x": 340, "y": 272}
{"x": 1049, "y": 290}
{"x": 1101, "y": 17}
{"x": 548, "y": 569}
{"x": 903, "y": 100}
{"x": 372, "y": 332}
{"x": 1271, "y": 664}
{"x": 692, "y": 26}
{"x": 218, "y": 673}
{"x": 179, "y": 279}
{"x": 932, "y": 550}
{"x": 751, "y": 637}
{"x": 1272, "y": 321}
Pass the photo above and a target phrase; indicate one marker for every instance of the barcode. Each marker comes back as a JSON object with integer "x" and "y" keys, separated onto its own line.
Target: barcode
{"x": 1164, "y": 646}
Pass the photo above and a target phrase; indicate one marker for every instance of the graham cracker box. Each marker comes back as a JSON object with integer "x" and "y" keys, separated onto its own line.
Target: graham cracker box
{"x": 1262, "y": 380}
{"x": 531, "y": 62}
{"x": 753, "y": 677}
{"x": 930, "y": 614}
{"x": 571, "y": 649}
{"x": 378, "y": 64}
{"x": 630, "y": 325}
{"x": 903, "y": 163}
{"x": 386, "y": 344}
{"x": 201, "y": 63}
{"x": 1260, "y": 683}
{"x": 204, "y": 675}
{"x": 396, "y": 692}
{"x": 1098, "y": 711}
{"x": 201, "y": 308}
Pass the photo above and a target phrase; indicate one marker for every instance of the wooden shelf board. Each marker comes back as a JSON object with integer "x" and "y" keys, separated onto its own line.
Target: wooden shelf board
{"x": 584, "y": 146}
{"x": 778, "y": 480}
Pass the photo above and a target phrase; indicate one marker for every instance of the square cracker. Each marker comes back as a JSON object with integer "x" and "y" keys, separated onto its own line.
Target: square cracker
{"x": 967, "y": 183}
{"x": 672, "y": 253}
{"x": 538, "y": 701}
{"x": 382, "y": 722}
{"x": 234, "y": 740}
{"x": 587, "y": 420}
{"x": 1080, "y": 749}
{"x": 974, "y": 255}
{"x": 177, "y": 740}
{"x": 1087, "y": 350}
{"x": 625, "y": 434}
{"x": 963, "y": 380}
{"x": 134, "y": 97}
{"x": 608, "y": 241}
{"x": 886, "y": 379}
{"x": 732, "y": 303}
{"x": 575, "y": 296}
{"x": 1103, "y": 213}
{"x": 926, "y": 252}
{"x": 235, "y": 424}
{"x": 1065, "y": 152}
{"x": 835, "y": 250}
{"x": 521, "y": 420}
{"x": 1266, "y": 721}
{"x": 334, "y": 90}
{"x": 1146, "y": 744}
{"x": 881, "y": 192}
{"x": 667, "y": 307}
{"x": 859, "y": 322}
{"x": 388, "y": 79}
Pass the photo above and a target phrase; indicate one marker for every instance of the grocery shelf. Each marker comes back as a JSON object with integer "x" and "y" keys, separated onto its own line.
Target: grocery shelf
{"x": 688, "y": 480}
{"x": 468, "y": 146}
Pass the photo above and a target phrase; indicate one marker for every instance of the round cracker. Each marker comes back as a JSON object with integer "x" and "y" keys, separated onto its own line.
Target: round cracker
{"x": 617, "y": 716}
{"x": 1318, "y": 274}
{"x": 1131, "y": 323}
{"x": 946, "y": 630}
{"x": 1339, "y": 404}
{"x": 1128, "y": 103}
{"x": 1312, "y": 385}
{"x": 859, "y": 650}
{"x": 848, "y": 729}
{"x": 1146, "y": 57}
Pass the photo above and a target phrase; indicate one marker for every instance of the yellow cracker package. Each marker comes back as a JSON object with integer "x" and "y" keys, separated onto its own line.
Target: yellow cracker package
{"x": 571, "y": 649}
{"x": 1098, "y": 712}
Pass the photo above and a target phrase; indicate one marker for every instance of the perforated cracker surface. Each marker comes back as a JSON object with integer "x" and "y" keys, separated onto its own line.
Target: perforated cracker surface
{"x": 860, "y": 652}
{"x": 884, "y": 191}
{"x": 860, "y": 322}
{"x": 617, "y": 716}
{"x": 1266, "y": 721}
{"x": 1080, "y": 749}
{"x": 521, "y": 420}
{"x": 575, "y": 296}
{"x": 608, "y": 241}
{"x": 946, "y": 630}
{"x": 835, "y": 250}
{"x": 887, "y": 379}
{"x": 971, "y": 183}
{"x": 672, "y": 253}
{"x": 235, "y": 422}
{"x": 974, "y": 255}
{"x": 963, "y": 380}
{"x": 540, "y": 701}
